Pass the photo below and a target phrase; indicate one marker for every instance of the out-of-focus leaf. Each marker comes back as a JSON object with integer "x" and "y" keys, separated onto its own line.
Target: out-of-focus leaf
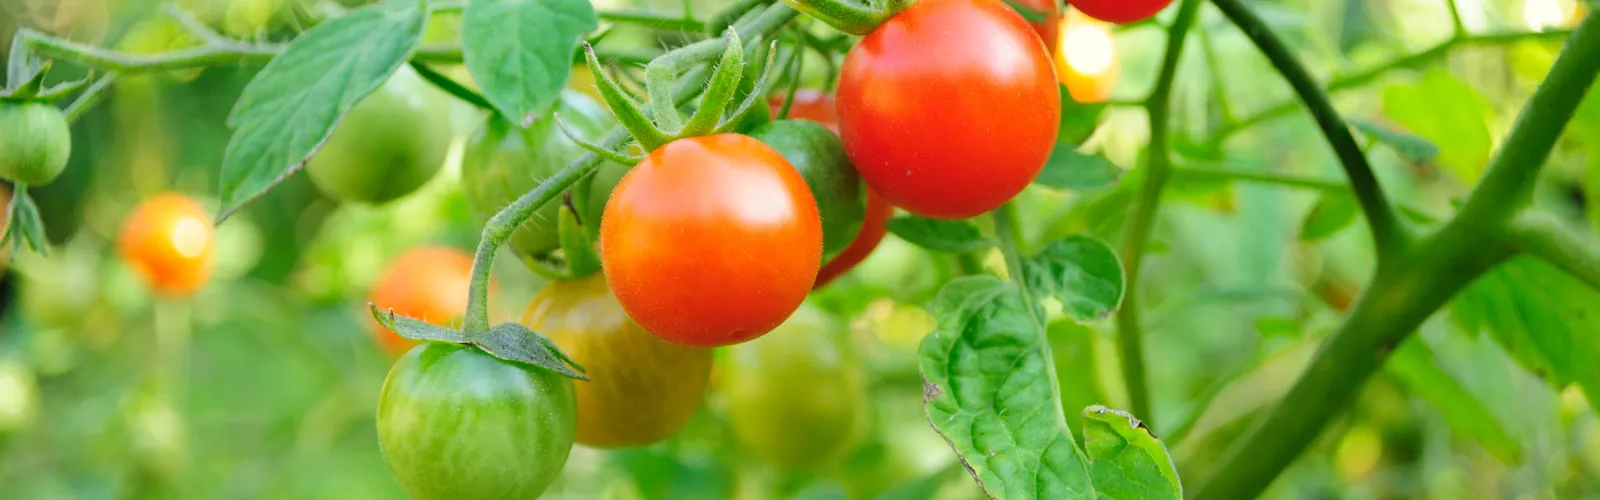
{"x": 1449, "y": 112}
{"x": 939, "y": 235}
{"x": 291, "y": 107}
{"x": 1277, "y": 326}
{"x": 1415, "y": 366}
{"x": 1078, "y": 120}
{"x": 1332, "y": 213}
{"x": 1261, "y": 386}
{"x": 1127, "y": 462}
{"x": 1544, "y": 318}
{"x": 23, "y": 226}
{"x": 1069, "y": 169}
{"x": 520, "y": 51}
{"x": 1080, "y": 271}
{"x": 990, "y": 393}
{"x": 1077, "y": 368}
{"x": 1413, "y": 149}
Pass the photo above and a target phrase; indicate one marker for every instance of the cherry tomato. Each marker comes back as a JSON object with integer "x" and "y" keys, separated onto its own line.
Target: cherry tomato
{"x": 168, "y": 239}
{"x": 427, "y": 283}
{"x": 950, "y": 108}
{"x": 872, "y": 233}
{"x": 1049, "y": 29}
{"x": 503, "y": 162}
{"x": 1120, "y": 11}
{"x": 35, "y": 142}
{"x": 797, "y": 396}
{"x": 711, "y": 241}
{"x": 388, "y": 145}
{"x": 455, "y": 422}
{"x": 1087, "y": 62}
{"x": 819, "y": 157}
{"x": 809, "y": 104}
{"x": 641, "y": 388}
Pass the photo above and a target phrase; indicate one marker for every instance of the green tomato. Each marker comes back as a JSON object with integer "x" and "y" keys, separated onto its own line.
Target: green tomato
{"x": 796, "y": 396}
{"x": 388, "y": 145}
{"x": 819, "y": 156}
{"x": 35, "y": 142}
{"x": 503, "y": 162}
{"x": 455, "y": 422}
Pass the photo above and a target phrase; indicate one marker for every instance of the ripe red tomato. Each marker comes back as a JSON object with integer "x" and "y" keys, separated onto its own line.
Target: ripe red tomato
{"x": 872, "y": 232}
{"x": 811, "y": 105}
{"x": 950, "y": 108}
{"x": 711, "y": 241}
{"x": 426, "y": 283}
{"x": 1120, "y": 11}
{"x": 168, "y": 240}
{"x": 1049, "y": 29}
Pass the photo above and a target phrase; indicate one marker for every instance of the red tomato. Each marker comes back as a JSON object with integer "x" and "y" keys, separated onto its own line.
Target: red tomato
{"x": 1120, "y": 11}
{"x": 950, "y": 108}
{"x": 872, "y": 232}
{"x": 711, "y": 241}
{"x": 1050, "y": 28}
{"x": 168, "y": 239}
{"x": 809, "y": 104}
{"x": 426, "y": 283}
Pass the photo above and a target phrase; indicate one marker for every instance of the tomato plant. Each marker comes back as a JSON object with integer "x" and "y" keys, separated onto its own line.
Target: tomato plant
{"x": 906, "y": 149}
{"x": 1120, "y": 11}
{"x": 168, "y": 239}
{"x": 36, "y": 144}
{"x": 428, "y": 283}
{"x": 454, "y": 422}
{"x": 390, "y": 144}
{"x": 738, "y": 190}
{"x": 641, "y": 389}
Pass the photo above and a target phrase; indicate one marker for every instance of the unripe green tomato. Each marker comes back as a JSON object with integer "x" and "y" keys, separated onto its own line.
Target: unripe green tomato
{"x": 503, "y": 162}
{"x": 388, "y": 145}
{"x": 457, "y": 423}
{"x": 35, "y": 142}
{"x": 819, "y": 156}
{"x": 796, "y": 396}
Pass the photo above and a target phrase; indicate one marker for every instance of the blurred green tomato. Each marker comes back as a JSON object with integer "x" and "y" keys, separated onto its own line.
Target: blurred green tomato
{"x": 455, "y": 422}
{"x": 35, "y": 142}
{"x": 245, "y": 18}
{"x": 819, "y": 156}
{"x": 503, "y": 162}
{"x": 390, "y": 144}
{"x": 19, "y": 397}
{"x": 796, "y": 396}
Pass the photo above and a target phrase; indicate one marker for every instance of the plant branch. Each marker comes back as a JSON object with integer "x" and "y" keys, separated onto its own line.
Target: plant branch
{"x": 653, "y": 20}
{"x": 95, "y": 57}
{"x": 1328, "y": 185}
{"x": 1545, "y": 237}
{"x": 90, "y": 97}
{"x": 1005, "y": 229}
{"x": 1387, "y": 232}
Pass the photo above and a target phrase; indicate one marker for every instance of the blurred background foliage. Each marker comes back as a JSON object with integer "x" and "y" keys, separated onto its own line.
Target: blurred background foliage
{"x": 264, "y": 384}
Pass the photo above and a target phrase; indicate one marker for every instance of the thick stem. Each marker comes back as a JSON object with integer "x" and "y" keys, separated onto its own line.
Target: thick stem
{"x": 1387, "y": 232}
{"x": 1005, "y": 229}
{"x": 1130, "y": 337}
{"x": 1543, "y": 236}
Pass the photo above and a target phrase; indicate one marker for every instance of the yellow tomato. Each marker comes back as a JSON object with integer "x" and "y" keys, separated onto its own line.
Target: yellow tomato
{"x": 1086, "y": 58}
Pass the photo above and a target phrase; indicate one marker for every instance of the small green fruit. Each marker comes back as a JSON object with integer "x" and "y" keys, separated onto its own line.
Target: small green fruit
{"x": 35, "y": 142}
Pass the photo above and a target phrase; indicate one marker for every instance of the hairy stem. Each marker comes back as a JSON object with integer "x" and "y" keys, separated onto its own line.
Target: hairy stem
{"x": 1130, "y": 337}
{"x": 1005, "y": 229}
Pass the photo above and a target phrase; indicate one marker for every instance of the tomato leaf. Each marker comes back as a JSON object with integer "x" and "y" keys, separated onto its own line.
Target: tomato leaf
{"x": 1127, "y": 462}
{"x": 1069, "y": 169}
{"x": 25, "y": 226}
{"x": 1080, "y": 271}
{"x": 990, "y": 391}
{"x": 1411, "y": 148}
{"x": 1414, "y": 365}
{"x": 520, "y": 51}
{"x": 939, "y": 235}
{"x": 1332, "y": 213}
{"x": 1449, "y": 112}
{"x": 515, "y": 342}
{"x": 1078, "y": 120}
{"x": 415, "y": 329}
{"x": 291, "y": 107}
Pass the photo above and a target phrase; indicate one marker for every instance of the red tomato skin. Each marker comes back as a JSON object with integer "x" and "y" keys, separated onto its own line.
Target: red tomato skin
{"x": 1049, "y": 29}
{"x": 1120, "y": 11}
{"x": 711, "y": 241}
{"x": 950, "y": 108}
{"x": 872, "y": 233}
{"x": 811, "y": 105}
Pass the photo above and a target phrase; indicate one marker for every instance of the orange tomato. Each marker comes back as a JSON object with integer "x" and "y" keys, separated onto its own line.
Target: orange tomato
{"x": 428, "y": 283}
{"x": 1086, "y": 60}
{"x": 168, "y": 239}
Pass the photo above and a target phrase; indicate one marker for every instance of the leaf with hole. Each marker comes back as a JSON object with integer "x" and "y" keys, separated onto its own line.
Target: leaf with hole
{"x": 1080, "y": 271}
{"x": 1127, "y": 462}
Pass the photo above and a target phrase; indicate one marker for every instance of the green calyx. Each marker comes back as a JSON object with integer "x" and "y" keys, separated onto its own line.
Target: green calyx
{"x": 851, "y": 17}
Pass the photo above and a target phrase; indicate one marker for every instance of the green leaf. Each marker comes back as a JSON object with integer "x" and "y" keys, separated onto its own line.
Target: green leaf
{"x": 1447, "y": 111}
{"x": 291, "y": 107}
{"x": 415, "y": 329}
{"x": 939, "y": 235}
{"x": 515, "y": 342}
{"x": 1032, "y": 16}
{"x": 1332, "y": 213}
{"x": 520, "y": 51}
{"x": 21, "y": 64}
{"x": 1413, "y": 149}
{"x": 1127, "y": 462}
{"x": 1080, "y": 271}
{"x": 1546, "y": 319}
{"x": 1069, "y": 169}
{"x": 1078, "y": 120}
{"x": 25, "y": 226}
{"x": 990, "y": 391}
{"x": 1416, "y": 368}
{"x": 575, "y": 245}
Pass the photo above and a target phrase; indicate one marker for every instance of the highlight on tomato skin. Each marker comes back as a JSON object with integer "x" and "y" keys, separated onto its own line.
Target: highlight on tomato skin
{"x": 1086, "y": 60}
{"x": 168, "y": 240}
{"x": 428, "y": 283}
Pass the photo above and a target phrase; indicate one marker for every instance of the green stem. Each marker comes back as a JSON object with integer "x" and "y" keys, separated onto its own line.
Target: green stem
{"x": 1005, "y": 222}
{"x": 451, "y": 86}
{"x": 653, "y": 20}
{"x": 1130, "y": 338}
{"x": 91, "y": 56}
{"x": 508, "y": 219}
{"x": 1387, "y": 232}
{"x": 90, "y": 97}
{"x": 1455, "y": 18}
{"x": 1542, "y": 235}
{"x": 1332, "y": 186}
